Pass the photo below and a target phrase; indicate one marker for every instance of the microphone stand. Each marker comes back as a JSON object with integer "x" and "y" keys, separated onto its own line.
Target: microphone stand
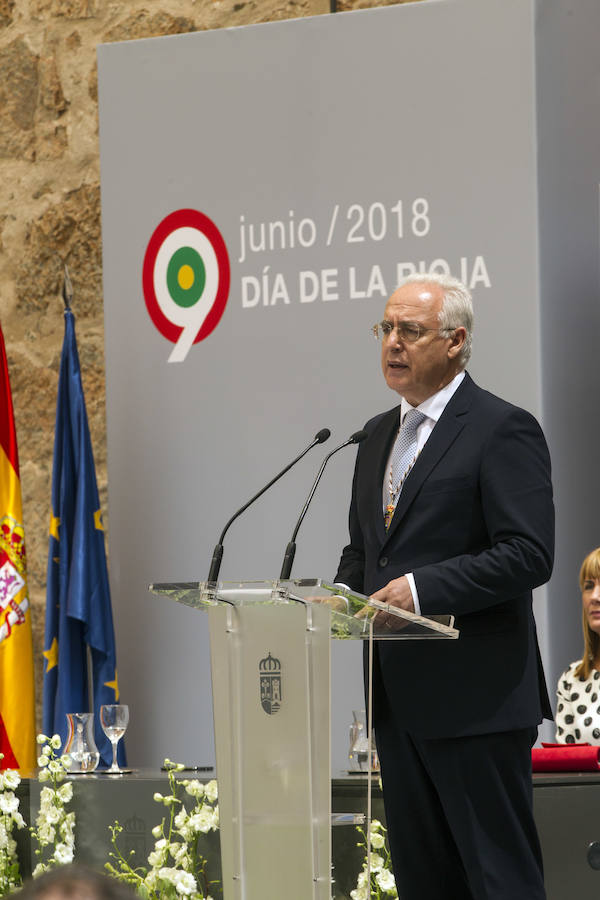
{"x": 290, "y": 550}
{"x": 217, "y": 557}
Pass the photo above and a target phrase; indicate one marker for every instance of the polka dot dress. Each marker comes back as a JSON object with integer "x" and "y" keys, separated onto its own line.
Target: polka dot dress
{"x": 578, "y": 707}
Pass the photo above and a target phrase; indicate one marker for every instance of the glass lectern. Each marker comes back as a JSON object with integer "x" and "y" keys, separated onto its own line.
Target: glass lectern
{"x": 270, "y": 665}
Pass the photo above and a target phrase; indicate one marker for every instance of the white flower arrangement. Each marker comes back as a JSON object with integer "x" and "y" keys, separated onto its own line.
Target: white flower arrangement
{"x": 10, "y": 875}
{"x": 175, "y": 869}
{"x": 382, "y": 882}
{"x": 54, "y": 830}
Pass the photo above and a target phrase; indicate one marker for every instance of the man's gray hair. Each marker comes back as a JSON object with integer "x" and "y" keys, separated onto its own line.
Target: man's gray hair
{"x": 457, "y": 307}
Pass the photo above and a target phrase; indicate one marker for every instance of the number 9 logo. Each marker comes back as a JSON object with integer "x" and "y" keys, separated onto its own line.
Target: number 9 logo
{"x": 186, "y": 278}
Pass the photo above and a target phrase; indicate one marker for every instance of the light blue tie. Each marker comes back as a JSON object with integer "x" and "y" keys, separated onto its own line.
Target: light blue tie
{"x": 404, "y": 455}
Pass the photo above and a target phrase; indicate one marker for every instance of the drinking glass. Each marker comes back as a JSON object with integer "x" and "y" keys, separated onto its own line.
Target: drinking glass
{"x": 114, "y": 718}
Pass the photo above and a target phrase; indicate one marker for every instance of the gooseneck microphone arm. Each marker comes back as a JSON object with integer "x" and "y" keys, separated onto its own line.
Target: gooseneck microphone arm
{"x": 290, "y": 550}
{"x": 217, "y": 557}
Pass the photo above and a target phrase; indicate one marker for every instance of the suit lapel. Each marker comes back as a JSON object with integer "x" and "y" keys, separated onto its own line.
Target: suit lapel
{"x": 445, "y": 432}
{"x": 383, "y": 439}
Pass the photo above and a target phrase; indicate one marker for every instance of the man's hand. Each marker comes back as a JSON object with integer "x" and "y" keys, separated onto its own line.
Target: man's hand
{"x": 396, "y": 593}
{"x": 335, "y": 601}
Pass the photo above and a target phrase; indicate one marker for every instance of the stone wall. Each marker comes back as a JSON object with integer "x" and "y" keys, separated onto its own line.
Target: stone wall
{"x": 50, "y": 212}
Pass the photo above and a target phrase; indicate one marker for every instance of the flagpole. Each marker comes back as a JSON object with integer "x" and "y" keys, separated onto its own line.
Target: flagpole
{"x": 67, "y": 291}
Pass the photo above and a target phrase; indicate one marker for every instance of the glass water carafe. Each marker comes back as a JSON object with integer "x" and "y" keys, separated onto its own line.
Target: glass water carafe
{"x": 80, "y": 744}
{"x": 359, "y": 743}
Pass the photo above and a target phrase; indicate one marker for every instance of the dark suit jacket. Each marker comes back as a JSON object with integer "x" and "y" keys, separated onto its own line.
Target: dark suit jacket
{"x": 475, "y": 525}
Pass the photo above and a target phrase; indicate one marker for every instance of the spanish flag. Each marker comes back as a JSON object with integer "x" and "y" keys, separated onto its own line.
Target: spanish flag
{"x": 17, "y": 707}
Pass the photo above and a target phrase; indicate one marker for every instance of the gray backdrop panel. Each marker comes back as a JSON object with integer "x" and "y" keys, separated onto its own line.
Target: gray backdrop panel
{"x": 402, "y": 135}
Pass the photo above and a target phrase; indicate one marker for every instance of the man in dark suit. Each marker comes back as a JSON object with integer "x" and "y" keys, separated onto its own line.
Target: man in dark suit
{"x": 466, "y": 528}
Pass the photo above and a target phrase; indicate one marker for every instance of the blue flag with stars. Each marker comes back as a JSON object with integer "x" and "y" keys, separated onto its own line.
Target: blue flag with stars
{"x": 78, "y": 608}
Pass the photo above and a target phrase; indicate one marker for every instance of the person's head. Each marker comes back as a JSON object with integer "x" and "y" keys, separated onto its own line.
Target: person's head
{"x": 589, "y": 582}
{"x": 74, "y": 882}
{"x": 426, "y": 335}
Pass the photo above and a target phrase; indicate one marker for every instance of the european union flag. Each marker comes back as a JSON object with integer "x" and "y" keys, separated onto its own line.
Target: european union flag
{"x": 78, "y": 608}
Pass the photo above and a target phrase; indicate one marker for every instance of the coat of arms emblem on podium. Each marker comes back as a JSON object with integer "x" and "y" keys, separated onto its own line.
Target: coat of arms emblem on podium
{"x": 270, "y": 684}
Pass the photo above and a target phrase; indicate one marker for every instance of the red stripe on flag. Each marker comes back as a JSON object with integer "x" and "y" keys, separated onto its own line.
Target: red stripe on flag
{"x": 9, "y": 761}
{"x": 8, "y": 437}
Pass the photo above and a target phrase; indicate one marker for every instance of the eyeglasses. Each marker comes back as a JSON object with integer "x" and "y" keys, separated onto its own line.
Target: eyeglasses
{"x": 406, "y": 331}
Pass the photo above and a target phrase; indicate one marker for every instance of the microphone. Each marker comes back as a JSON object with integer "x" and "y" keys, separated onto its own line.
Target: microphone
{"x": 319, "y": 438}
{"x": 290, "y": 550}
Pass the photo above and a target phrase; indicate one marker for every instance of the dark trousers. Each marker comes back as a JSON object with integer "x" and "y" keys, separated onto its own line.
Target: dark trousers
{"x": 459, "y": 814}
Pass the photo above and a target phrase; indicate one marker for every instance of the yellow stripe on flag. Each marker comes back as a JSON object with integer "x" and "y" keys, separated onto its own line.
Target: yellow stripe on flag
{"x": 17, "y": 705}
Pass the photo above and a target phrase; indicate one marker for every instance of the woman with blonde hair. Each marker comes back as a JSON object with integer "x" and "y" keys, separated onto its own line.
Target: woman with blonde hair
{"x": 578, "y": 691}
